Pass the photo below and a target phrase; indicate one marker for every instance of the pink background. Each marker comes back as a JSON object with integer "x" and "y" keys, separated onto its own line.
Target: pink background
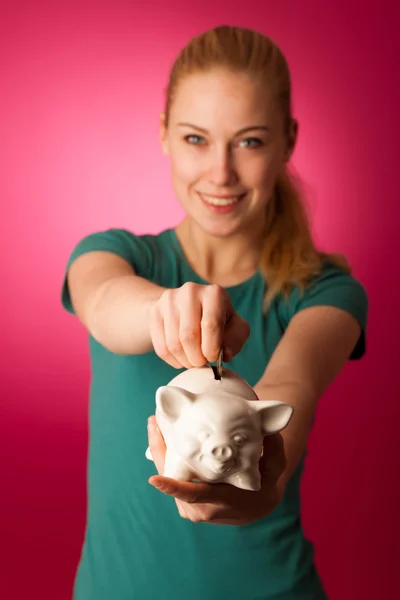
{"x": 81, "y": 95}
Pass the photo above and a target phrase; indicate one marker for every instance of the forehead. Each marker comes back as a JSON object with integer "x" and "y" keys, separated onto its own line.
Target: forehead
{"x": 221, "y": 96}
{"x": 226, "y": 409}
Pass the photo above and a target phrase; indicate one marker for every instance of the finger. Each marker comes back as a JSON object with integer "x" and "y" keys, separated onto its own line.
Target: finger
{"x": 191, "y": 512}
{"x": 194, "y": 493}
{"x": 213, "y": 321}
{"x": 189, "y": 325}
{"x": 171, "y": 331}
{"x": 199, "y": 513}
{"x": 158, "y": 339}
{"x": 181, "y": 509}
{"x": 236, "y": 333}
{"x": 156, "y": 444}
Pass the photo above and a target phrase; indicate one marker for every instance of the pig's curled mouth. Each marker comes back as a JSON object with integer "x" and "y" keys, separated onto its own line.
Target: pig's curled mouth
{"x": 218, "y": 467}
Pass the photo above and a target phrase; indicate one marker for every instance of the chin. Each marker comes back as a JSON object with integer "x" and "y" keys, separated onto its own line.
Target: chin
{"x": 220, "y": 232}
{"x": 218, "y": 227}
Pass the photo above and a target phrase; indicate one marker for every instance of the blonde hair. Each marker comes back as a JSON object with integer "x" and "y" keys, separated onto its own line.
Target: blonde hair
{"x": 290, "y": 257}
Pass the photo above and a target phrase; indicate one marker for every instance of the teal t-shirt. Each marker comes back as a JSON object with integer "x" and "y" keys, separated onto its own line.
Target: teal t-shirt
{"x": 136, "y": 546}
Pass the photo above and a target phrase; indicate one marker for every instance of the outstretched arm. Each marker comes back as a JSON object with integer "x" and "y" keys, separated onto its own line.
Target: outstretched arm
{"x": 314, "y": 349}
{"x": 130, "y": 315}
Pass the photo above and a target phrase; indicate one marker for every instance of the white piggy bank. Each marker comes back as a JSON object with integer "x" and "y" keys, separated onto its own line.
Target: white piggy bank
{"x": 214, "y": 428}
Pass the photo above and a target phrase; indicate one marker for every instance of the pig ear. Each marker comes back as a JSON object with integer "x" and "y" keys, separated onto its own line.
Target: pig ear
{"x": 171, "y": 400}
{"x": 274, "y": 415}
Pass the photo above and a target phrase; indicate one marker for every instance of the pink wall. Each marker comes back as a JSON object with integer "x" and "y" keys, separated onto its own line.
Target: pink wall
{"x": 79, "y": 109}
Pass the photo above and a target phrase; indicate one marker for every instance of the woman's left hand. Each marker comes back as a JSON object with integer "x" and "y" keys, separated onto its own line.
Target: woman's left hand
{"x": 221, "y": 503}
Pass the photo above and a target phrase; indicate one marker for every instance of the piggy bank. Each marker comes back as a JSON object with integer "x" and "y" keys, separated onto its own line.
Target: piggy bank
{"x": 213, "y": 427}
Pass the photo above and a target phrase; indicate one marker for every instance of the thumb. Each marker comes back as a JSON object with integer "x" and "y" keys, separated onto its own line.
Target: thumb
{"x": 156, "y": 444}
{"x": 236, "y": 333}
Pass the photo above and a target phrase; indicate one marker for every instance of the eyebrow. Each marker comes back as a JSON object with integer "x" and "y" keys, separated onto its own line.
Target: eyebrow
{"x": 241, "y": 131}
{"x": 239, "y": 423}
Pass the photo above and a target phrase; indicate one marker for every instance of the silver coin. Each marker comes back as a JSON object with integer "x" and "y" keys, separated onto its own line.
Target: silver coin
{"x": 219, "y": 363}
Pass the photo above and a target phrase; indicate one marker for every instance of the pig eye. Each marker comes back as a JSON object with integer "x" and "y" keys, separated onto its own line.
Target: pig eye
{"x": 203, "y": 435}
{"x": 239, "y": 439}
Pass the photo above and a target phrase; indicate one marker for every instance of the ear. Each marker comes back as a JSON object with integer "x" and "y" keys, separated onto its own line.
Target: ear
{"x": 273, "y": 414}
{"x": 292, "y": 139}
{"x": 171, "y": 401}
{"x": 163, "y": 135}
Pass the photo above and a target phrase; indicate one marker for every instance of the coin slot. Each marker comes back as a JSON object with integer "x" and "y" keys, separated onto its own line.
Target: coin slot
{"x": 216, "y": 375}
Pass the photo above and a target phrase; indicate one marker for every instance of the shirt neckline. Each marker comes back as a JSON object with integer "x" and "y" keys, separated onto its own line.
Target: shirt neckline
{"x": 238, "y": 287}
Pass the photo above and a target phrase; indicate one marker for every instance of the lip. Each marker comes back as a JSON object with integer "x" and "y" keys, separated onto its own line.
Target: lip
{"x": 221, "y": 210}
{"x": 221, "y": 196}
{"x": 222, "y": 467}
{"x": 217, "y": 467}
{"x": 221, "y": 470}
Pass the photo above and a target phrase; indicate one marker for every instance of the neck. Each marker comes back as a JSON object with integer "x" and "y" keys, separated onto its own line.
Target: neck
{"x": 226, "y": 261}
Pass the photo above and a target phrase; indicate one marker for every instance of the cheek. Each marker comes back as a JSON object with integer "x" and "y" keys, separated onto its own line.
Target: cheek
{"x": 258, "y": 171}
{"x": 185, "y": 167}
{"x": 250, "y": 451}
{"x": 188, "y": 446}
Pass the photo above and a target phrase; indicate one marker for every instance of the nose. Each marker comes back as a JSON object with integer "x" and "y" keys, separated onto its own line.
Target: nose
{"x": 222, "y": 452}
{"x": 222, "y": 172}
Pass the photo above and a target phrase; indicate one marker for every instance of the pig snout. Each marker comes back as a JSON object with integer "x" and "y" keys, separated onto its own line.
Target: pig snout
{"x": 222, "y": 452}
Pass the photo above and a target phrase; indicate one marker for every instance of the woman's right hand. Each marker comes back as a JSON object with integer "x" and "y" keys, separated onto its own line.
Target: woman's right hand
{"x": 189, "y": 325}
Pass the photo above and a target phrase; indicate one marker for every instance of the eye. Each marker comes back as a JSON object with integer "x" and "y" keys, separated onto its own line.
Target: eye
{"x": 193, "y": 139}
{"x": 239, "y": 439}
{"x": 252, "y": 142}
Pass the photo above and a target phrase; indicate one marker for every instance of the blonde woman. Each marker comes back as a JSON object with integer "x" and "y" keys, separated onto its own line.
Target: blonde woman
{"x": 239, "y": 272}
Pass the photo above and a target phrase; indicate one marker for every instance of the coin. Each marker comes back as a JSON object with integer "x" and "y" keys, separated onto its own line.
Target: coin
{"x": 219, "y": 363}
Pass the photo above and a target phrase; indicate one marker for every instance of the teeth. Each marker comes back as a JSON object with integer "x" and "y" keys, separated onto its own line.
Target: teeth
{"x": 221, "y": 201}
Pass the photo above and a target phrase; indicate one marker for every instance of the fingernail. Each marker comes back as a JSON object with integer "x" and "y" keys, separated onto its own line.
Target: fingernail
{"x": 163, "y": 487}
{"x": 151, "y": 427}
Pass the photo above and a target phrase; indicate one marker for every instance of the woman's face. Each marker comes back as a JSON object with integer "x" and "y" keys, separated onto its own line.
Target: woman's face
{"x": 225, "y": 139}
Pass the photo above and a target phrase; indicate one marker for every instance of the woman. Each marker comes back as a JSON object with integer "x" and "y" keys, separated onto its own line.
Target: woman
{"x": 239, "y": 272}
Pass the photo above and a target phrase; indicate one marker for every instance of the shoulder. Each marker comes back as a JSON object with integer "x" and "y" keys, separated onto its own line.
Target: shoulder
{"x": 139, "y": 250}
{"x": 334, "y": 287}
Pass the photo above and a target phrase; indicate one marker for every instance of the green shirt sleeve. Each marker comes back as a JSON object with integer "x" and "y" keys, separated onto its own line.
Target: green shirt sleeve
{"x": 336, "y": 287}
{"x": 123, "y": 243}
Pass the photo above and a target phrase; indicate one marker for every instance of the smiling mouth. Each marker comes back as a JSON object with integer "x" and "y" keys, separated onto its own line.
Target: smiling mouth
{"x": 221, "y": 468}
{"x": 218, "y": 468}
{"x": 217, "y": 201}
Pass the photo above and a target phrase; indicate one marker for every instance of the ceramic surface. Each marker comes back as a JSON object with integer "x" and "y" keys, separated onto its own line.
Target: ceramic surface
{"x": 214, "y": 428}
